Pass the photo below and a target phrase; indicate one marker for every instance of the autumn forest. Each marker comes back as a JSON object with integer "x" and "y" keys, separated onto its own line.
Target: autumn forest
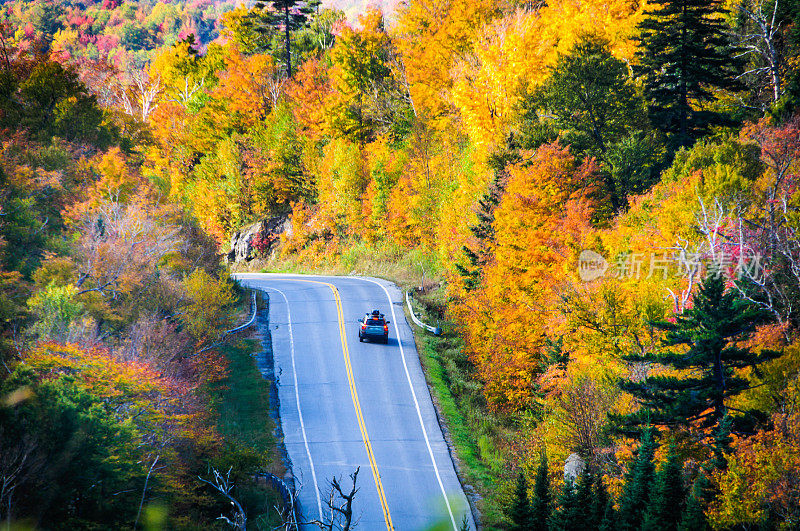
{"x": 598, "y": 198}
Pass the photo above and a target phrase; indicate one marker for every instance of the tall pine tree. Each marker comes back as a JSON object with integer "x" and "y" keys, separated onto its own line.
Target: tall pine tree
{"x": 483, "y": 230}
{"x": 520, "y": 513}
{"x": 697, "y": 397}
{"x": 638, "y": 484}
{"x": 667, "y": 496}
{"x": 542, "y": 497}
{"x": 567, "y": 513}
{"x": 684, "y": 56}
{"x": 609, "y": 521}
{"x": 285, "y": 15}
{"x": 600, "y": 502}
{"x": 694, "y": 518}
{"x": 585, "y": 497}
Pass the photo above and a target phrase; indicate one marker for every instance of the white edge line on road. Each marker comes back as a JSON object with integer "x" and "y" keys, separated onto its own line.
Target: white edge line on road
{"x": 297, "y": 399}
{"x": 416, "y": 402}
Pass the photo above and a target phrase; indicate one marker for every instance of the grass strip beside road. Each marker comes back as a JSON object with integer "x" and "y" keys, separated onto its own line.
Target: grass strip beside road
{"x": 460, "y": 432}
{"x": 242, "y": 406}
{"x": 244, "y": 402}
{"x": 472, "y": 429}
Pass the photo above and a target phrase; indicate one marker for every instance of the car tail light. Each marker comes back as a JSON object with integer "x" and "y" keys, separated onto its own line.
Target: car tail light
{"x": 363, "y": 327}
{"x": 385, "y": 328}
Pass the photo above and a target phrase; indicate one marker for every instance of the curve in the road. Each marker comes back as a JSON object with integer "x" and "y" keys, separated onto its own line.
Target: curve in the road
{"x": 325, "y": 441}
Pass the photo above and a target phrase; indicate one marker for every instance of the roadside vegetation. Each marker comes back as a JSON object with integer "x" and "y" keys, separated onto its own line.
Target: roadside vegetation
{"x": 113, "y": 302}
{"x": 242, "y": 406}
{"x": 601, "y": 196}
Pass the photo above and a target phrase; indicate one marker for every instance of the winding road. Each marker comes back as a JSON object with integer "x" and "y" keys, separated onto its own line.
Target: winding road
{"x": 345, "y": 404}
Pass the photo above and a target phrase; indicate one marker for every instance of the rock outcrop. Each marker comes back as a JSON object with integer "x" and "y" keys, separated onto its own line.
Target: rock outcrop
{"x": 574, "y": 467}
{"x": 262, "y": 237}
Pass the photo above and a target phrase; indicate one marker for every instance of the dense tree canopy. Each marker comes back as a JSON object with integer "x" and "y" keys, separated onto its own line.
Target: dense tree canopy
{"x": 599, "y": 198}
{"x": 593, "y": 104}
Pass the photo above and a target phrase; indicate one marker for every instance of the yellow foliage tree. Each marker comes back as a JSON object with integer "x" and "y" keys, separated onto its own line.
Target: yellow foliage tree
{"x": 433, "y": 36}
{"x": 210, "y": 310}
{"x": 513, "y": 55}
{"x": 359, "y": 65}
{"x": 343, "y": 178}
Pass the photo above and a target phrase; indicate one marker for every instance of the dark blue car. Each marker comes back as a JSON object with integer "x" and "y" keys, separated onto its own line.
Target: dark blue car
{"x": 373, "y": 326}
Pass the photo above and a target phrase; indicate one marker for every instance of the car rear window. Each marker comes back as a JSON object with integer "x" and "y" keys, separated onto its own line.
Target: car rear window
{"x": 374, "y": 322}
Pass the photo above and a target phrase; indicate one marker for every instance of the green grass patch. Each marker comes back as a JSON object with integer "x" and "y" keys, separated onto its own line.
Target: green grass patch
{"x": 381, "y": 259}
{"x": 462, "y": 435}
{"x": 244, "y": 402}
{"x": 242, "y": 406}
{"x": 475, "y": 432}
{"x": 473, "y": 429}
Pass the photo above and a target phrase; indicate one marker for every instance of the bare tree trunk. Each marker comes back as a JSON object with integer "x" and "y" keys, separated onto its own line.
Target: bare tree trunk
{"x": 763, "y": 42}
{"x": 224, "y": 486}
{"x": 144, "y": 491}
{"x": 288, "y": 36}
{"x": 341, "y": 509}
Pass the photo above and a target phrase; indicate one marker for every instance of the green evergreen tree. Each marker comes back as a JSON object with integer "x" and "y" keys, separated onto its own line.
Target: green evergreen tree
{"x": 542, "y": 497}
{"x": 566, "y": 513}
{"x": 667, "y": 496}
{"x": 285, "y": 15}
{"x": 600, "y": 502}
{"x": 684, "y": 55}
{"x": 592, "y": 100}
{"x": 520, "y": 513}
{"x": 722, "y": 443}
{"x": 638, "y": 484}
{"x": 584, "y": 500}
{"x": 711, "y": 330}
{"x": 703, "y": 492}
{"x": 609, "y": 522}
{"x": 483, "y": 230}
{"x": 694, "y": 518}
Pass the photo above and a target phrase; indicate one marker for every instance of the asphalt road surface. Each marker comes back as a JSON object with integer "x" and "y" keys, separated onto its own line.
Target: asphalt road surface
{"x": 346, "y": 404}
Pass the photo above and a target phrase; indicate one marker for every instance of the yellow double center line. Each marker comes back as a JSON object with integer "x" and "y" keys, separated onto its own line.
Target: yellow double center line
{"x": 356, "y": 404}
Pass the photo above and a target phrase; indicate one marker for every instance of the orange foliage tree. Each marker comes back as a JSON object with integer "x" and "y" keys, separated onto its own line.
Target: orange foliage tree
{"x": 539, "y": 225}
{"x": 251, "y": 86}
{"x": 308, "y": 92}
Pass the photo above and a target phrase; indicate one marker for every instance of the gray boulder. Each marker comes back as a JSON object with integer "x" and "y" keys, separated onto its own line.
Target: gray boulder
{"x": 574, "y": 467}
